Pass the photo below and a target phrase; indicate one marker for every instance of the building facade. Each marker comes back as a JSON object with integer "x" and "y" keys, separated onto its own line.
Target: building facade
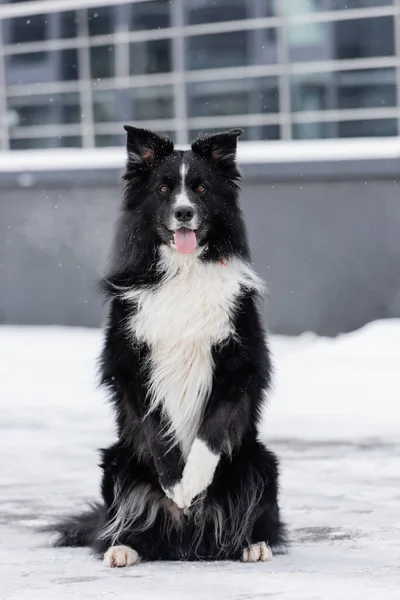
{"x": 73, "y": 71}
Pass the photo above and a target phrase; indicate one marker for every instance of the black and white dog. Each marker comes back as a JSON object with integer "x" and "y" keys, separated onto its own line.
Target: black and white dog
{"x": 187, "y": 367}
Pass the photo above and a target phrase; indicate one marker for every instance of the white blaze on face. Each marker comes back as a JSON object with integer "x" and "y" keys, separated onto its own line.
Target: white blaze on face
{"x": 184, "y": 238}
{"x": 182, "y": 198}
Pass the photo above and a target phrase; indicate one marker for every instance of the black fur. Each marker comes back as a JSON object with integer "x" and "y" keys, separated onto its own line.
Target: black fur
{"x": 240, "y": 506}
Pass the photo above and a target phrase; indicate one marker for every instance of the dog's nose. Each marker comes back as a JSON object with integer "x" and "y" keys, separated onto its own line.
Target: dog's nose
{"x": 184, "y": 214}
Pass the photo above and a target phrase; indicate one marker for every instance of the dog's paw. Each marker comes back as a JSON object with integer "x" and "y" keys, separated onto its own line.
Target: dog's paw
{"x": 176, "y": 495}
{"x": 198, "y": 472}
{"x": 197, "y": 475}
{"x": 120, "y": 556}
{"x": 257, "y": 553}
{"x": 183, "y": 494}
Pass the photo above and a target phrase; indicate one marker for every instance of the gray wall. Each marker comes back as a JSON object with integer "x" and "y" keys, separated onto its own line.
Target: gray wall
{"x": 326, "y": 238}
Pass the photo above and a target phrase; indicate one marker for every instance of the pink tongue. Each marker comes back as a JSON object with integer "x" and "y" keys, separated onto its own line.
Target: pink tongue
{"x": 185, "y": 240}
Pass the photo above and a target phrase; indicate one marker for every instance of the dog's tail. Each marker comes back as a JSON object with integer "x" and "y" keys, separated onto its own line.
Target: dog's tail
{"x": 78, "y": 530}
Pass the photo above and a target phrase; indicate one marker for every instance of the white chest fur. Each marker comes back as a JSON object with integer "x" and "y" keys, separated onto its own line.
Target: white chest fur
{"x": 181, "y": 320}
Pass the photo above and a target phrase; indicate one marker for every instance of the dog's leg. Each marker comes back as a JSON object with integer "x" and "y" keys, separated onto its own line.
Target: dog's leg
{"x": 267, "y": 530}
{"x": 120, "y": 556}
{"x": 167, "y": 456}
{"x": 197, "y": 474}
{"x": 132, "y": 393}
{"x": 224, "y": 423}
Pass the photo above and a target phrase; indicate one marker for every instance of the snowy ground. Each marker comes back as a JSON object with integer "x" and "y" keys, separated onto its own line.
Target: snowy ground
{"x": 334, "y": 420}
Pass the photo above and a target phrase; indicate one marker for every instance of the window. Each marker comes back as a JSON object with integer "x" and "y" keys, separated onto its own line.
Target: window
{"x": 45, "y": 142}
{"x": 102, "y": 62}
{"x": 233, "y": 97}
{"x": 41, "y": 67}
{"x": 101, "y": 20}
{"x": 151, "y": 103}
{"x": 351, "y": 39}
{"x": 231, "y": 49}
{"x": 346, "y": 129}
{"x": 108, "y": 106}
{"x": 135, "y": 104}
{"x": 45, "y": 109}
{"x": 364, "y": 38}
{"x": 211, "y": 11}
{"x": 293, "y": 7}
{"x": 343, "y": 90}
{"x": 39, "y": 28}
{"x": 26, "y": 29}
{"x": 149, "y": 15}
{"x": 68, "y": 24}
{"x": 102, "y": 141}
{"x": 150, "y": 57}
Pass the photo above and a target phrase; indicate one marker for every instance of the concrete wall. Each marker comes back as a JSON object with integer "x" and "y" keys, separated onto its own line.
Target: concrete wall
{"x": 326, "y": 238}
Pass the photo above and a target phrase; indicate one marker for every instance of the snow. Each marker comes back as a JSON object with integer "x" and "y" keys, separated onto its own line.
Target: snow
{"x": 334, "y": 420}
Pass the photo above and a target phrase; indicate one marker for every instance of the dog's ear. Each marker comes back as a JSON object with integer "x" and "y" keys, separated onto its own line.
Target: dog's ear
{"x": 219, "y": 149}
{"x": 145, "y": 147}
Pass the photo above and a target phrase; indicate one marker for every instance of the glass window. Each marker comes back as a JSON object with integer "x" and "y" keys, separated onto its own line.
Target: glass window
{"x": 210, "y": 11}
{"x": 233, "y": 97}
{"x": 68, "y": 26}
{"x": 149, "y": 15}
{"x": 252, "y": 133}
{"x": 149, "y": 57}
{"x": 151, "y": 103}
{"x": 102, "y": 62}
{"x": 136, "y": 104}
{"x": 342, "y": 90}
{"x": 38, "y": 28}
{"x": 260, "y": 132}
{"x": 45, "y": 142}
{"x": 26, "y": 29}
{"x": 101, "y": 20}
{"x": 46, "y": 109}
{"x": 69, "y": 64}
{"x": 355, "y": 38}
{"x": 102, "y": 141}
{"x": 41, "y": 67}
{"x": 108, "y": 106}
{"x": 232, "y": 49}
{"x": 346, "y": 129}
{"x": 293, "y": 7}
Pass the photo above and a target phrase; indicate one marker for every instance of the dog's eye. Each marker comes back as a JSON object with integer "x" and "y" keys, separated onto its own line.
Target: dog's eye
{"x": 200, "y": 189}
{"x": 164, "y": 189}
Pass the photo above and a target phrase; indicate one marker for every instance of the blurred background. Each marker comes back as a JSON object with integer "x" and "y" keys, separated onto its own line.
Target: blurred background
{"x": 314, "y": 84}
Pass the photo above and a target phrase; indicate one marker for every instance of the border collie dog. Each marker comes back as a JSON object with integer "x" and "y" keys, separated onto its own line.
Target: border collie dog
{"x": 187, "y": 367}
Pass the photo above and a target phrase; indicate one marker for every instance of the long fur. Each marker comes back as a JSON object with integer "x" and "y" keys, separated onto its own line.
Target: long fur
{"x": 187, "y": 367}
{"x": 181, "y": 319}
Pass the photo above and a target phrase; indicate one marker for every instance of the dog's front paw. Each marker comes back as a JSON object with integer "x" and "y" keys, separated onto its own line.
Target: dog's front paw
{"x": 191, "y": 487}
{"x": 197, "y": 475}
{"x": 183, "y": 493}
{"x": 176, "y": 494}
{"x": 198, "y": 472}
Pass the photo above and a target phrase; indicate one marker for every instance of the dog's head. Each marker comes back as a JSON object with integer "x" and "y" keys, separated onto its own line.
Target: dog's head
{"x": 185, "y": 199}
